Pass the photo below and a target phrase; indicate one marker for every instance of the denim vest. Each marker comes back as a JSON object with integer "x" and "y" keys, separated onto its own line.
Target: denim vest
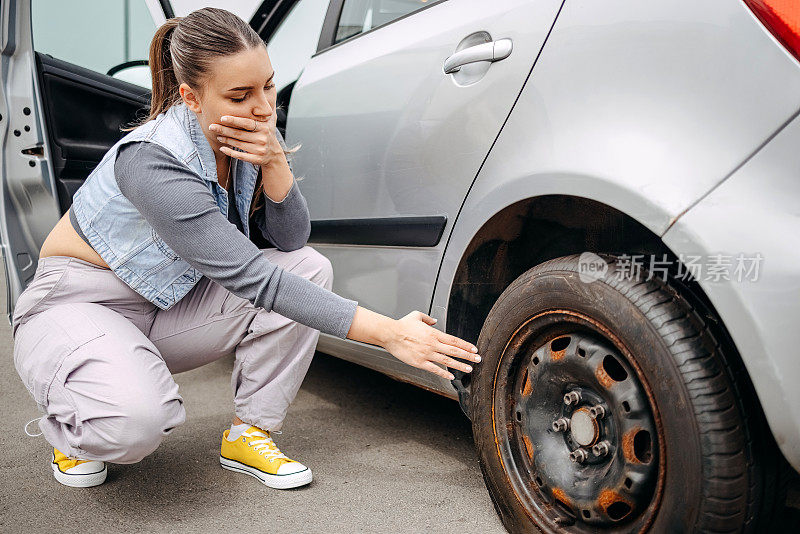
{"x": 124, "y": 238}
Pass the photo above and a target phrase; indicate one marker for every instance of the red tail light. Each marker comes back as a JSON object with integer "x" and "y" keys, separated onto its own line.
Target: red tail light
{"x": 782, "y": 18}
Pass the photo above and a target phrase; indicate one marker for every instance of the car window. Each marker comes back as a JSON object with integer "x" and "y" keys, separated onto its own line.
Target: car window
{"x": 97, "y": 34}
{"x": 359, "y": 16}
{"x": 295, "y": 40}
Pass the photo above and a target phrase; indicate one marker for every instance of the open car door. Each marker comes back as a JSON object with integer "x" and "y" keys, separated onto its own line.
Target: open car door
{"x": 58, "y": 118}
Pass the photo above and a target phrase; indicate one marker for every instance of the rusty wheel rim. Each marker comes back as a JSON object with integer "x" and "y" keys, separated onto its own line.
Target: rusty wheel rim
{"x": 581, "y": 444}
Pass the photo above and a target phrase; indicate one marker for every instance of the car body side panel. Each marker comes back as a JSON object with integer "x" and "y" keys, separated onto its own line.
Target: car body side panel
{"x": 756, "y": 211}
{"x": 386, "y": 133}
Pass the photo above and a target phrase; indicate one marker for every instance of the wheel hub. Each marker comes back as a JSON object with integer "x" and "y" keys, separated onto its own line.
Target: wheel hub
{"x": 585, "y": 430}
{"x": 583, "y": 427}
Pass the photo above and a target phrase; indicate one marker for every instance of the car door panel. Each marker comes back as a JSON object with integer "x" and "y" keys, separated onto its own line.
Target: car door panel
{"x": 57, "y": 120}
{"x": 83, "y": 111}
{"x": 387, "y": 134}
{"x": 29, "y": 205}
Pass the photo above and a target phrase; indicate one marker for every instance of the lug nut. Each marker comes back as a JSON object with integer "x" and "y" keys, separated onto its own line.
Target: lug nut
{"x": 597, "y": 412}
{"x": 561, "y": 425}
{"x": 573, "y": 397}
{"x": 578, "y": 455}
{"x": 601, "y": 449}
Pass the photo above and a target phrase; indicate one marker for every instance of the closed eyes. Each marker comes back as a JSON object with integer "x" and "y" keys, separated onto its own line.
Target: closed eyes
{"x": 237, "y": 100}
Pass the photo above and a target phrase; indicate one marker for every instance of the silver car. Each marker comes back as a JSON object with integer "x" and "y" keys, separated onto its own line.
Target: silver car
{"x": 600, "y": 194}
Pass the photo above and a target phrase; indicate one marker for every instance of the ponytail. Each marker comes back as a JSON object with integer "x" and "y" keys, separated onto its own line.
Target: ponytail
{"x": 165, "y": 84}
{"x": 162, "y": 72}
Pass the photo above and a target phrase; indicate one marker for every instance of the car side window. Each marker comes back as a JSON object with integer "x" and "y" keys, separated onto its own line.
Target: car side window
{"x": 359, "y": 16}
{"x": 295, "y": 40}
{"x": 96, "y": 34}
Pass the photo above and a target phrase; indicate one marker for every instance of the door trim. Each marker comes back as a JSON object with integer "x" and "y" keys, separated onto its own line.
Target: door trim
{"x": 409, "y": 231}
{"x": 269, "y": 16}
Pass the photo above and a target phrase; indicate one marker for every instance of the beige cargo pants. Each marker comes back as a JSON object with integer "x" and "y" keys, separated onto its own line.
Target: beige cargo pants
{"x": 98, "y": 358}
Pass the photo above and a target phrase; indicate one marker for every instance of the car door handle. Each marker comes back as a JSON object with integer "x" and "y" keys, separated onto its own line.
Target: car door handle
{"x": 491, "y": 51}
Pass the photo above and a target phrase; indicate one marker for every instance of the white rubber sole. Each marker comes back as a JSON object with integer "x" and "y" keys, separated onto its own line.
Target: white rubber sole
{"x": 301, "y": 478}
{"x": 80, "y": 481}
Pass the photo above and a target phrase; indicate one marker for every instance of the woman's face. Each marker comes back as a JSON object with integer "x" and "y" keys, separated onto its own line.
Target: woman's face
{"x": 240, "y": 84}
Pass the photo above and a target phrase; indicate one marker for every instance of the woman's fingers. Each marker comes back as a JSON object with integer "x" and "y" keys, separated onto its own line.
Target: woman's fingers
{"x": 435, "y": 369}
{"x": 427, "y": 319}
{"x": 443, "y": 356}
{"x": 456, "y": 352}
{"x": 233, "y": 132}
{"x": 418, "y": 315}
{"x": 425, "y": 347}
{"x": 457, "y": 342}
{"x": 243, "y": 123}
{"x": 454, "y": 364}
{"x": 244, "y": 156}
{"x": 244, "y": 145}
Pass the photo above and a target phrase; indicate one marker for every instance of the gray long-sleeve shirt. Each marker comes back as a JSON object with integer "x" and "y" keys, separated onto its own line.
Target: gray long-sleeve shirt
{"x": 178, "y": 205}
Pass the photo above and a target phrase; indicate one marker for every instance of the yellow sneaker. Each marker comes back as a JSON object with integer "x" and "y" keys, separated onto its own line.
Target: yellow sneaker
{"x": 257, "y": 455}
{"x": 78, "y": 473}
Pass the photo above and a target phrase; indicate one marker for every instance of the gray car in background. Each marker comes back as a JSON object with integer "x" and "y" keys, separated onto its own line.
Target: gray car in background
{"x": 601, "y": 194}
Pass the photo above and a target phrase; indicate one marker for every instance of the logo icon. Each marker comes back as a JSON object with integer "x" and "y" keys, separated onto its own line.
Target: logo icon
{"x": 591, "y": 267}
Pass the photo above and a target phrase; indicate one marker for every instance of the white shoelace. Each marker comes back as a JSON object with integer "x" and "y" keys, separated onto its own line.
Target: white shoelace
{"x": 263, "y": 445}
{"x": 40, "y": 433}
{"x": 26, "y": 427}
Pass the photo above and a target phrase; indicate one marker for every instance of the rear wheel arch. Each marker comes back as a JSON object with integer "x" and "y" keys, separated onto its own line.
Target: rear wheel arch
{"x": 537, "y": 229}
{"x": 527, "y": 233}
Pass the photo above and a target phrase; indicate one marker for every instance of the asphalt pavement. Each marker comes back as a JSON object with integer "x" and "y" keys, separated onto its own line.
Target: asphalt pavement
{"x": 386, "y": 457}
